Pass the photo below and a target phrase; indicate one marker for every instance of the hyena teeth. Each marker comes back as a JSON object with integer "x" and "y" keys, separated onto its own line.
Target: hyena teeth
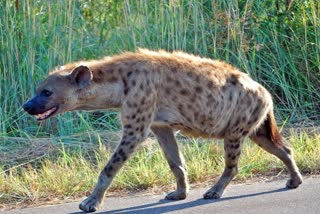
{"x": 46, "y": 114}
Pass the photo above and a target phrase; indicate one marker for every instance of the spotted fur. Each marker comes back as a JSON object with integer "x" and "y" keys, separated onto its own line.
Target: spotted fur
{"x": 163, "y": 92}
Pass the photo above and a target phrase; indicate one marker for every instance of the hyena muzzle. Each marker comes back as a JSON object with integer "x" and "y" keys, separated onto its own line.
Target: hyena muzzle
{"x": 164, "y": 92}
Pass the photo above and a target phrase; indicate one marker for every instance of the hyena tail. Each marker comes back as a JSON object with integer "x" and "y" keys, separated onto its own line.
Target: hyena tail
{"x": 270, "y": 130}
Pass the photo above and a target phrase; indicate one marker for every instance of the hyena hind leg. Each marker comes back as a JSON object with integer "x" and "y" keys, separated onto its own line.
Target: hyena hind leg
{"x": 175, "y": 160}
{"x": 280, "y": 149}
{"x": 232, "y": 149}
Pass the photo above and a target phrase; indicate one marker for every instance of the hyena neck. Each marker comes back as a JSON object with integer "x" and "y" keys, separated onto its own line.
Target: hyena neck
{"x": 100, "y": 96}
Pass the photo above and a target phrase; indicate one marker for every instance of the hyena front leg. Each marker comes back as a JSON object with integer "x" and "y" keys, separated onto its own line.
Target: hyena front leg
{"x": 121, "y": 154}
{"x": 133, "y": 134}
{"x": 232, "y": 149}
{"x": 175, "y": 159}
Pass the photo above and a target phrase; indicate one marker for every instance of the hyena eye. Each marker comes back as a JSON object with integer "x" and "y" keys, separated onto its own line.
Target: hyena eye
{"x": 46, "y": 93}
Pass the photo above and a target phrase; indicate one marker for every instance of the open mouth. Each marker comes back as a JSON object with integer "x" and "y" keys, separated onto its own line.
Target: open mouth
{"x": 47, "y": 113}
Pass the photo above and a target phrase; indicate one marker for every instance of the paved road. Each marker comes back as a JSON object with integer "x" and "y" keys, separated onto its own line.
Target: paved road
{"x": 270, "y": 197}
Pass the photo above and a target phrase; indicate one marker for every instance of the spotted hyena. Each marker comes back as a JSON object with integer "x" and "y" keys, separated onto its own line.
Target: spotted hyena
{"x": 163, "y": 92}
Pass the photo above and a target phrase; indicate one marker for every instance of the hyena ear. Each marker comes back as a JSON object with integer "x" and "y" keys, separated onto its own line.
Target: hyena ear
{"x": 81, "y": 75}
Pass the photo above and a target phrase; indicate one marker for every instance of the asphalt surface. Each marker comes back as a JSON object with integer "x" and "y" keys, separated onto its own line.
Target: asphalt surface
{"x": 264, "y": 197}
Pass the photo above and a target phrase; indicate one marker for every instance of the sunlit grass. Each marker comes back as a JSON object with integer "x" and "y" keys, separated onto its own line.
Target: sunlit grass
{"x": 72, "y": 172}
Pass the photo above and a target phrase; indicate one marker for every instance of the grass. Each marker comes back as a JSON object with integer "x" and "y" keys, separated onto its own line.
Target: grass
{"x": 277, "y": 45}
{"x": 71, "y": 170}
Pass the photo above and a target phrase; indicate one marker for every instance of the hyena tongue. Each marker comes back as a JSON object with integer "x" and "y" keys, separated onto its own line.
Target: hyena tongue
{"x": 45, "y": 114}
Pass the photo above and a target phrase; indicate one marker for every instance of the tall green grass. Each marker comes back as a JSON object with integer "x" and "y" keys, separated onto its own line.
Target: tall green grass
{"x": 277, "y": 46}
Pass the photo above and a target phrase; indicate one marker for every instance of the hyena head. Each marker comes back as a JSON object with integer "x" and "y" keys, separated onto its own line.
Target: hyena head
{"x": 59, "y": 92}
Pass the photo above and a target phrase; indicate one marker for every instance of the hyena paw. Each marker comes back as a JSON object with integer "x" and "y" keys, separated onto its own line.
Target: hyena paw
{"x": 177, "y": 195}
{"x": 90, "y": 204}
{"x": 294, "y": 182}
{"x": 213, "y": 193}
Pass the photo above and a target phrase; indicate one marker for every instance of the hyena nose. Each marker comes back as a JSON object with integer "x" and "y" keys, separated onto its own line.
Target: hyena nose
{"x": 27, "y": 106}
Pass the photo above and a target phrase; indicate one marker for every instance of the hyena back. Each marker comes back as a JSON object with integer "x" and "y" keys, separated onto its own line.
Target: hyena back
{"x": 163, "y": 92}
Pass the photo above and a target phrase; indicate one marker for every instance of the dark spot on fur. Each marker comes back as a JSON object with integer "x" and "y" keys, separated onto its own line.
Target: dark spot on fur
{"x": 129, "y": 104}
{"x": 129, "y": 73}
{"x": 177, "y": 83}
{"x": 184, "y": 92}
{"x": 116, "y": 160}
{"x": 233, "y": 79}
{"x": 128, "y": 126}
{"x": 133, "y": 82}
{"x": 125, "y": 82}
{"x": 108, "y": 171}
{"x": 198, "y": 89}
{"x": 126, "y": 91}
{"x": 231, "y": 166}
{"x": 169, "y": 79}
{"x": 130, "y": 133}
{"x": 210, "y": 85}
{"x": 133, "y": 116}
{"x": 245, "y": 132}
{"x": 167, "y": 90}
{"x": 143, "y": 101}
{"x": 121, "y": 152}
{"x": 141, "y": 86}
{"x": 141, "y": 128}
{"x": 189, "y": 74}
{"x": 236, "y": 146}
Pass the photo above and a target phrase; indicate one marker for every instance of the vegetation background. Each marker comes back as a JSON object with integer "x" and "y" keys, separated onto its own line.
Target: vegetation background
{"x": 276, "y": 42}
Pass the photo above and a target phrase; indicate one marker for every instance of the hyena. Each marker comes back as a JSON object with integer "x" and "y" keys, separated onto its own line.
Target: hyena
{"x": 164, "y": 92}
